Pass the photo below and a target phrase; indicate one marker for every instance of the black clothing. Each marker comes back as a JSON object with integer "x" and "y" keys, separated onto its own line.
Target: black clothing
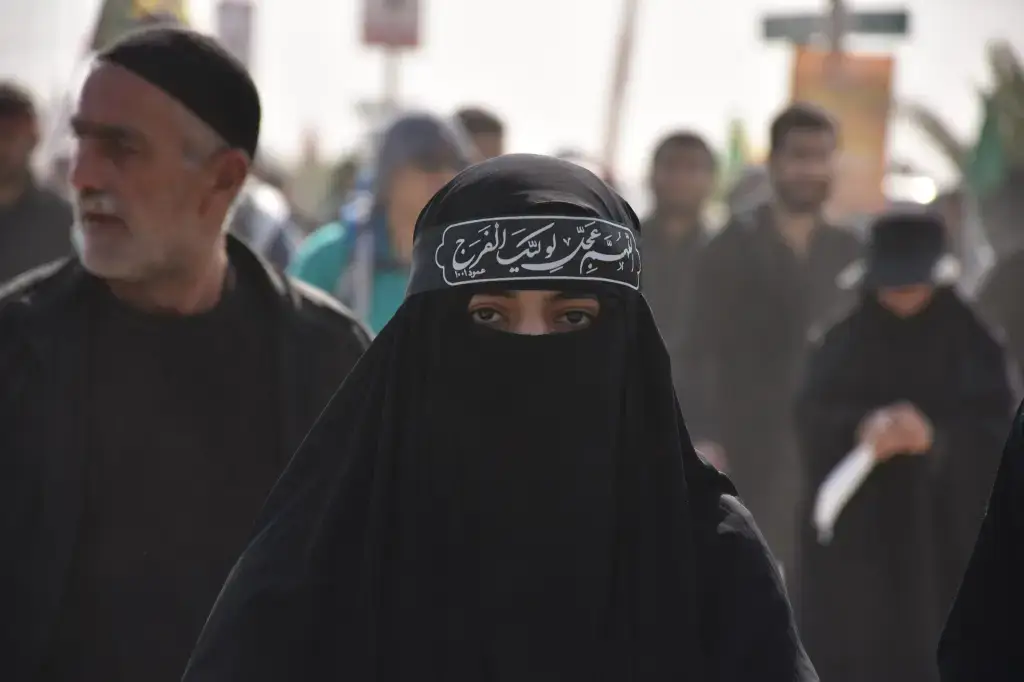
{"x": 903, "y": 249}
{"x": 165, "y": 518}
{"x": 982, "y": 638}
{"x": 669, "y": 277}
{"x": 873, "y": 600}
{"x": 476, "y": 505}
{"x": 33, "y": 231}
{"x": 755, "y": 302}
{"x": 140, "y": 450}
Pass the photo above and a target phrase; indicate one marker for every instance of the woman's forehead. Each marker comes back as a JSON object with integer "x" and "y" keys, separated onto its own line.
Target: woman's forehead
{"x": 538, "y": 293}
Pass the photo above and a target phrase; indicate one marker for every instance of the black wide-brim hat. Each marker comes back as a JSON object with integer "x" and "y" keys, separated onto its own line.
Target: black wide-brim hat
{"x": 904, "y": 249}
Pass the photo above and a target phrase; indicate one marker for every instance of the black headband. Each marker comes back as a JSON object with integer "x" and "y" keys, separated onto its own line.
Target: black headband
{"x": 525, "y": 248}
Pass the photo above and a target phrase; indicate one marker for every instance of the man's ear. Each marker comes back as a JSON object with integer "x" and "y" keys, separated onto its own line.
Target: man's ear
{"x": 230, "y": 171}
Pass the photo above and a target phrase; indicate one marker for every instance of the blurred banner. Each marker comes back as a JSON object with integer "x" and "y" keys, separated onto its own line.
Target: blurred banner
{"x": 117, "y": 17}
{"x": 857, "y": 91}
{"x": 391, "y": 23}
{"x": 235, "y": 28}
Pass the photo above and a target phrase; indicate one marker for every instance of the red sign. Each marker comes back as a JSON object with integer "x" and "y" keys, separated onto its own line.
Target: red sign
{"x": 391, "y": 23}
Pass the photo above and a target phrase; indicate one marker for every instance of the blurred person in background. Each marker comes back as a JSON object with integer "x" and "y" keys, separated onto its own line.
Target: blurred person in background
{"x": 999, "y": 296}
{"x": 751, "y": 189}
{"x": 968, "y": 241}
{"x": 982, "y": 637}
{"x": 35, "y": 223}
{"x": 682, "y": 179}
{"x": 485, "y": 130}
{"x": 342, "y": 184}
{"x": 363, "y": 259}
{"x": 763, "y": 281}
{"x": 263, "y": 220}
{"x": 58, "y": 179}
{"x": 153, "y": 388}
{"x": 949, "y": 206}
{"x": 911, "y": 374}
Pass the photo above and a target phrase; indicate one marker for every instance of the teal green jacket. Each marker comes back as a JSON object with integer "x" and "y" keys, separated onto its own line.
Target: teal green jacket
{"x": 325, "y": 255}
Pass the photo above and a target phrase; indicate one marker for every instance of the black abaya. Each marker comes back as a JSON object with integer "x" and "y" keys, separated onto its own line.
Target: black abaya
{"x": 475, "y": 505}
{"x": 873, "y": 600}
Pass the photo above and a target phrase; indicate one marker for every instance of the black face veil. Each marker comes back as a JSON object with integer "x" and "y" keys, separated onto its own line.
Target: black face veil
{"x": 475, "y": 505}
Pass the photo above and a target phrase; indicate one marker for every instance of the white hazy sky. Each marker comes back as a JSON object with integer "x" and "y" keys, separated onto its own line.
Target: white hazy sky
{"x": 545, "y": 65}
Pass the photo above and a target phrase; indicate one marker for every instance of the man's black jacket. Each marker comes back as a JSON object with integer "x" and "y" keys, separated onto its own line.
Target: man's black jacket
{"x": 44, "y": 388}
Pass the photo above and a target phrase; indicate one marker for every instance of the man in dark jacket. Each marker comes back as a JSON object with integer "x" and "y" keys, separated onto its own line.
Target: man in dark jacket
{"x": 35, "y": 224}
{"x": 682, "y": 179}
{"x": 913, "y": 388}
{"x": 153, "y": 388}
{"x": 761, "y": 283}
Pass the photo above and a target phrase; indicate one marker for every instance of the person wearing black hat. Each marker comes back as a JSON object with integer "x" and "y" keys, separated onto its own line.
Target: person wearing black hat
{"x": 35, "y": 223}
{"x": 504, "y": 489}
{"x": 912, "y": 390}
{"x": 152, "y": 388}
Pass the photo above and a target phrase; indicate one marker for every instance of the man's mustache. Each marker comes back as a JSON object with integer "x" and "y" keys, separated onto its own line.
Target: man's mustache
{"x": 98, "y": 203}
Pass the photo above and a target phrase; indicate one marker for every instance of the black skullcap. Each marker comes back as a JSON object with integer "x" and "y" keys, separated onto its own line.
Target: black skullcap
{"x": 198, "y": 72}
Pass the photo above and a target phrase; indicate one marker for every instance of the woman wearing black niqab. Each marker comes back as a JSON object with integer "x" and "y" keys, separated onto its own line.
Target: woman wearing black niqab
{"x": 478, "y": 505}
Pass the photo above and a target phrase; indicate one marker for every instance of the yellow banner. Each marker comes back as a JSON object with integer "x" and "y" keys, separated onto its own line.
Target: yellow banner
{"x": 152, "y": 8}
{"x": 117, "y": 17}
{"x": 857, "y": 91}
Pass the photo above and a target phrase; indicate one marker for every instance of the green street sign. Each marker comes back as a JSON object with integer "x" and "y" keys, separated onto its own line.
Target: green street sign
{"x": 800, "y": 28}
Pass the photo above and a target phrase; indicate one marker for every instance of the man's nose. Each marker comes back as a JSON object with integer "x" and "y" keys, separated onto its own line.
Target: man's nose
{"x": 88, "y": 169}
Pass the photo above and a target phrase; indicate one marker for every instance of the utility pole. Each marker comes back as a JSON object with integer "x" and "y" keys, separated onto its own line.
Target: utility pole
{"x": 620, "y": 81}
{"x": 836, "y": 38}
{"x": 392, "y": 69}
{"x": 838, "y": 24}
{"x": 393, "y": 26}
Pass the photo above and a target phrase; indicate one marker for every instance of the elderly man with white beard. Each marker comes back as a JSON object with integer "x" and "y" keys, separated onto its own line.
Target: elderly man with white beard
{"x": 153, "y": 387}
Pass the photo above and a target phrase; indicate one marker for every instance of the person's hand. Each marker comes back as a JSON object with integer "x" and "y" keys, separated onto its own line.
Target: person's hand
{"x": 896, "y": 429}
{"x": 879, "y": 432}
{"x": 917, "y": 431}
{"x": 713, "y": 453}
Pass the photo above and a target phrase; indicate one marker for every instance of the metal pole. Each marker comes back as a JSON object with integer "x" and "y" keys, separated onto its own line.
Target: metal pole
{"x": 617, "y": 96}
{"x": 392, "y": 64}
{"x": 836, "y": 37}
{"x": 837, "y": 25}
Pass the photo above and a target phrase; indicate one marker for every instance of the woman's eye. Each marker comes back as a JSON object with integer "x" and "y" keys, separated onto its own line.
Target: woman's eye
{"x": 485, "y": 316}
{"x": 577, "y": 318}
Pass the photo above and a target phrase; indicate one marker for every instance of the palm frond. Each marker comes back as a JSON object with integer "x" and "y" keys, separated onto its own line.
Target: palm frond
{"x": 940, "y": 135}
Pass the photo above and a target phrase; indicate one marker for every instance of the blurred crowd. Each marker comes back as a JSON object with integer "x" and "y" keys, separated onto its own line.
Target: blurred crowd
{"x": 797, "y": 340}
